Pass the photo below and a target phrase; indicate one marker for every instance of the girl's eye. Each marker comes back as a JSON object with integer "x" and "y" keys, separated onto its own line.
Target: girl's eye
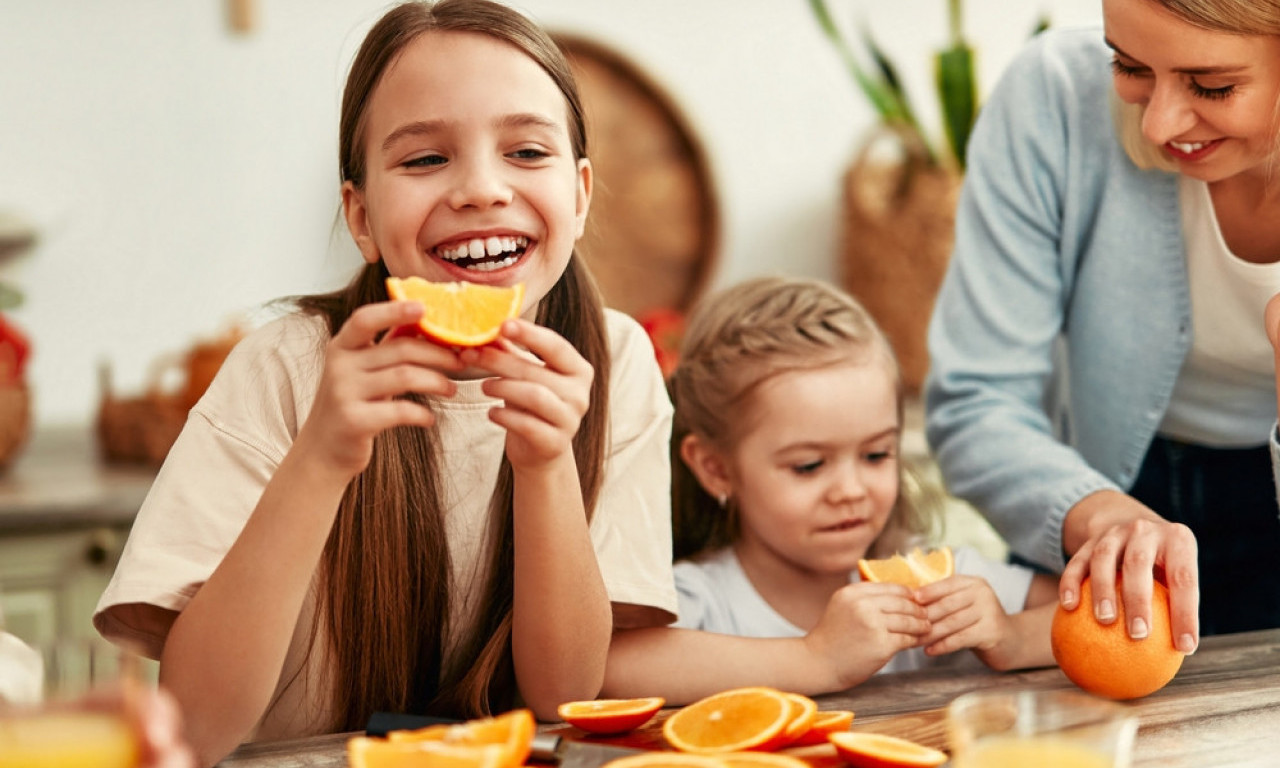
{"x": 1125, "y": 70}
{"x": 807, "y": 468}
{"x": 425, "y": 161}
{"x": 529, "y": 154}
{"x": 1212, "y": 93}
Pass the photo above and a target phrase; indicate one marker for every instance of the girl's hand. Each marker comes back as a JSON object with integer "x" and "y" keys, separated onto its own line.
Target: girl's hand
{"x": 1128, "y": 538}
{"x": 159, "y": 723}
{"x": 864, "y": 625}
{"x": 965, "y": 613}
{"x": 357, "y": 397}
{"x": 544, "y": 395}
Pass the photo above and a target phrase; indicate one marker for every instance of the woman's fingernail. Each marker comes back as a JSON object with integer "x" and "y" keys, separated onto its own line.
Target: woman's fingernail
{"x": 1186, "y": 644}
{"x": 1068, "y": 599}
{"x": 1105, "y": 611}
{"x": 1137, "y": 628}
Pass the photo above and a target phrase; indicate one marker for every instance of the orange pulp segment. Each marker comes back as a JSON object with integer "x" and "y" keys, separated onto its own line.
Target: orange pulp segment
{"x": 913, "y": 571}
{"x": 459, "y": 314}
{"x": 874, "y": 750}
{"x": 730, "y": 721}
{"x": 512, "y": 732}
{"x": 827, "y": 722}
{"x": 610, "y": 715}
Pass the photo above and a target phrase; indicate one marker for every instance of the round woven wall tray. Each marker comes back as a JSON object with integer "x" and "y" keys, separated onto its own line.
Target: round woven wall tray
{"x": 654, "y": 229}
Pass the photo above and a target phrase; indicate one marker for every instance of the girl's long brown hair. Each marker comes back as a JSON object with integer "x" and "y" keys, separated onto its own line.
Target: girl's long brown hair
{"x": 739, "y": 339}
{"x": 384, "y": 575}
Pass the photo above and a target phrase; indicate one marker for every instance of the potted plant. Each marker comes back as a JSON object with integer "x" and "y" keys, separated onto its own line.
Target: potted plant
{"x": 899, "y": 213}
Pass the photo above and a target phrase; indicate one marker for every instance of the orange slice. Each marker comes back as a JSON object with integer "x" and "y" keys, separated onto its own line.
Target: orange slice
{"x": 913, "y": 571}
{"x": 666, "y": 760}
{"x": 803, "y": 713}
{"x": 459, "y": 314}
{"x": 610, "y": 715}
{"x": 761, "y": 760}
{"x": 731, "y": 721}
{"x": 825, "y": 723}
{"x": 875, "y": 750}
{"x": 512, "y": 733}
{"x": 367, "y": 752}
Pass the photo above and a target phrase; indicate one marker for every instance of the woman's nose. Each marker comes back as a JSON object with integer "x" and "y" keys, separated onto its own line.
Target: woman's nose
{"x": 479, "y": 183}
{"x": 1167, "y": 114}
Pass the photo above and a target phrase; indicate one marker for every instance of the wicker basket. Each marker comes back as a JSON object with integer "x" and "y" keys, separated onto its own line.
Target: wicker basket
{"x": 896, "y": 242}
{"x": 15, "y": 421}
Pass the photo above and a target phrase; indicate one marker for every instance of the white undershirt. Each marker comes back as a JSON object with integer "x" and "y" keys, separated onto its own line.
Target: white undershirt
{"x": 1225, "y": 394}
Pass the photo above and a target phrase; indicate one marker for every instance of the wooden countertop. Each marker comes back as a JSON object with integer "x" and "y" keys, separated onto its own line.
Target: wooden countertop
{"x": 1223, "y": 709}
{"x": 58, "y": 482}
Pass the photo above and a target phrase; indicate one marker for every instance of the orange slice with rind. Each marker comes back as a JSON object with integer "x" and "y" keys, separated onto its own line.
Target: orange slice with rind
{"x": 459, "y": 314}
{"x": 824, "y": 723}
{"x": 512, "y": 732}
{"x": 370, "y": 752}
{"x": 609, "y": 716}
{"x": 731, "y": 721}
{"x": 914, "y": 570}
{"x": 804, "y": 711}
{"x": 666, "y": 760}
{"x": 760, "y": 760}
{"x": 863, "y": 749}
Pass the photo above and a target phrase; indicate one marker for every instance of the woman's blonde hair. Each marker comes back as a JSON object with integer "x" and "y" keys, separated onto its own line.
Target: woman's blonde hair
{"x": 384, "y": 575}
{"x": 734, "y": 342}
{"x": 1237, "y": 17}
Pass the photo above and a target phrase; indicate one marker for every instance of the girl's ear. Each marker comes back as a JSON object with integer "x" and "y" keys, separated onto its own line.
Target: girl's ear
{"x": 583, "y": 204}
{"x": 357, "y": 216}
{"x": 708, "y": 465}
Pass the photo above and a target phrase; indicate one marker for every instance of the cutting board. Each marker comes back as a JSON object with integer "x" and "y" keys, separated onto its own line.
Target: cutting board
{"x": 927, "y": 727}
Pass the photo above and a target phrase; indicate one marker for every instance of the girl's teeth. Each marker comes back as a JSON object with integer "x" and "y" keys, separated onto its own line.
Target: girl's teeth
{"x": 1187, "y": 148}
{"x": 481, "y": 248}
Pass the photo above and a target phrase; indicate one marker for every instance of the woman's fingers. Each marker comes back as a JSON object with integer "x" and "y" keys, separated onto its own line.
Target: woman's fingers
{"x": 1181, "y": 575}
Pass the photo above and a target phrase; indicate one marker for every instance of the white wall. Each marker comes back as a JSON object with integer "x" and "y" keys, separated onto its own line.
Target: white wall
{"x": 182, "y": 175}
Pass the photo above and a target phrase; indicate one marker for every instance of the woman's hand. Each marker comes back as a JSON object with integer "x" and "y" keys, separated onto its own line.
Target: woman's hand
{"x": 864, "y": 625}
{"x": 545, "y": 394}
{"x": 1122, "y": 536}
{"x": 357, "y": 397}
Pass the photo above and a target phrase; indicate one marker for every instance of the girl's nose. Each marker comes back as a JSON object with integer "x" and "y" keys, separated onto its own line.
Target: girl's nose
{"x": 479, "y": 184}
{"x": 847, "y": 484}
{"x": 1167, "y": 114}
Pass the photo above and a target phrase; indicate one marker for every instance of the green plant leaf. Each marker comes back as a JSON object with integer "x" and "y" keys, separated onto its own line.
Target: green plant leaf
{"x": 958, "y": 97}
{"x": 10, "y": 297}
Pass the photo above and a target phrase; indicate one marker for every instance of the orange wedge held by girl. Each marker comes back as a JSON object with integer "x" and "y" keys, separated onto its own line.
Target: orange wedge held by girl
{"x": 459, "y": 314}
{"x": 606, "y": 716}
{"x": 914, "y": 570}
{"x": 731, "y": 721}
{"x": 863, "y": 749}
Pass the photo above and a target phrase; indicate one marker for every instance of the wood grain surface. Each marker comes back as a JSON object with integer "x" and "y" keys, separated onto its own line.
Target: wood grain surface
{"x": 1222, "y": 709}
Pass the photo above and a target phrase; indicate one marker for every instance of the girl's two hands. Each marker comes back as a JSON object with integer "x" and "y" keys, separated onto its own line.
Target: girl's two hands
{"x": 863, "y": 626}
{"x": 545, "y": 391}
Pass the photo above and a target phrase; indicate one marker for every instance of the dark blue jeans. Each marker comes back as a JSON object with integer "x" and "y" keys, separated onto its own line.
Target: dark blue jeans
{"x": 1227, "y": 497}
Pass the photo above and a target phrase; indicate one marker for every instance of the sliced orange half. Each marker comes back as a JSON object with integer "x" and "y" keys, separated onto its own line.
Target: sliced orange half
{"x": 366, "y": 752}
{"x": 512, "y": 732}
{"x": 731, "y": 721}
{"x": 459, "y": 314}
{"x": 827, "y": 722}
{"x": 665, "y": 760}
{"x": 862, "y": 749}
{"x": 610, "y": 715}
{"x": 913, "y": 571}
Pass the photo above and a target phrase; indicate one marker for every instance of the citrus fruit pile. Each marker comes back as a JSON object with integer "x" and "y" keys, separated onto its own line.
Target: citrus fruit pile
{"x": 493, "y": 742}
{"x": 1103, "y": 659}
{"x": 913, "y": 571}
{"x": 459, "y": 314}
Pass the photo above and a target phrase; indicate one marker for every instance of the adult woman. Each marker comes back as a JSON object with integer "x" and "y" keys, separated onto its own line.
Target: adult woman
{"x": 1101, "y": 385}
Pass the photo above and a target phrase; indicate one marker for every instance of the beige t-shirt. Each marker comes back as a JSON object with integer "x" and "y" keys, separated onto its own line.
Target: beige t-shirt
{"x": 239, "y": 432}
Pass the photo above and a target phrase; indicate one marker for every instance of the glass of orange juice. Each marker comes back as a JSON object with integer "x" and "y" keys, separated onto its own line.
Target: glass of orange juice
{"x": 77, "y": 717}
{"x": 1042, "y": 728}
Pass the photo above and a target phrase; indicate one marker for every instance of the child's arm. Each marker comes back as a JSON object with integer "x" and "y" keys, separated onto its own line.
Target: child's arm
{"x": 863, "y": 627}
{"x": 561, "y": 620}
{"x": 967, "y": 614}
{"x": 223, "y": 656}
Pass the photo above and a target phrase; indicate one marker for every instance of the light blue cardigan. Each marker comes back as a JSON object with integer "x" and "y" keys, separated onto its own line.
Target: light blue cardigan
{"x": 1065, "y": 314}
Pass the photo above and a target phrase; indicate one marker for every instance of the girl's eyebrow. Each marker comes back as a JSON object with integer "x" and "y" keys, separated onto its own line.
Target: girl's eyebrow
{"x": 1195, "y": 71}
{"x": 431, "y": 127}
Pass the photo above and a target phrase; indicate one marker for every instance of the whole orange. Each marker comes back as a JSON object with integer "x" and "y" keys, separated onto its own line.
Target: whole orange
{"x": 1103, "y": 659}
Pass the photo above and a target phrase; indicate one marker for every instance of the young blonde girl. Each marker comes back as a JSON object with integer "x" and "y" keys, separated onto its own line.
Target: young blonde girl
{"x": 787, "y": 470}
{"x": 356, "y": 521}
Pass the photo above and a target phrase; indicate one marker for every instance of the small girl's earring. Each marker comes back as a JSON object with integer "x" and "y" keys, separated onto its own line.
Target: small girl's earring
{"x": 722, "y": 499}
